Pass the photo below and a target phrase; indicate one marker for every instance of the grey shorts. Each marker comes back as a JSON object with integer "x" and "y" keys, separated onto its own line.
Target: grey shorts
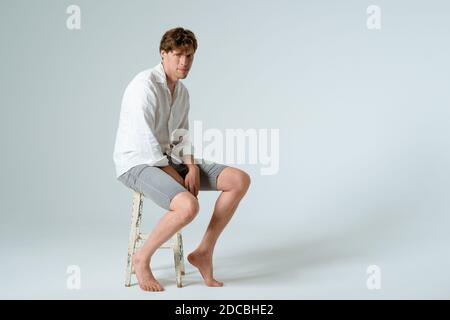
{"x": 160, "y": 187}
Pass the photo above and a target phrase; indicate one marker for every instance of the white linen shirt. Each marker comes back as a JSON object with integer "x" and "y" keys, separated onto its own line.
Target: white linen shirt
{"x": 148, "y": 116}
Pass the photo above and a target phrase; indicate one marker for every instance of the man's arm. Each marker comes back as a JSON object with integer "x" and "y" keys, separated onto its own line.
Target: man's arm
{"x": 192, "y": 179}
{"x": 188, "y": 160}
{"x": 185, "y": 150}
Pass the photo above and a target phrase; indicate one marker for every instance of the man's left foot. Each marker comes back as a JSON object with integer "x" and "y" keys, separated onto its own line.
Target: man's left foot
{"x": 203, "y": 263}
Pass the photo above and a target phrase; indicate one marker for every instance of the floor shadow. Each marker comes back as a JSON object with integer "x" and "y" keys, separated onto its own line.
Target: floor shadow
{"x": 279, "y": 261}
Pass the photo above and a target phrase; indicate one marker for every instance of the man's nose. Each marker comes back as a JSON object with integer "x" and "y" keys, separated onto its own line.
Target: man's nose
{"x": 184, "y": 60}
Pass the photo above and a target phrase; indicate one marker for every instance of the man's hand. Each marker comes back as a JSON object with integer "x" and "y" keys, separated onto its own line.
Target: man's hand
{"x": 192, "y": 179}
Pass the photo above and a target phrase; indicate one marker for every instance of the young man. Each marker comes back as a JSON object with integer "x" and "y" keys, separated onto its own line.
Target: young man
{"x": 154, "y": 108}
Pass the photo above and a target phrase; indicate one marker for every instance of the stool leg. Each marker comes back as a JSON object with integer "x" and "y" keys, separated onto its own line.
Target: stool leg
{"x": 134, "y": 234}
{"x": 177, "y": 257}
{"x": 182, "y": 255}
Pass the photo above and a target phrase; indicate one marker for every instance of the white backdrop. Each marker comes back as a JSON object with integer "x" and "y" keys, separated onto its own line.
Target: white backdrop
{"x": 363, "y": 116}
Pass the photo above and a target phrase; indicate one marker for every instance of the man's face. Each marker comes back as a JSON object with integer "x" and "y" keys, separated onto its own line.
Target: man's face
{"x": 178, "y": 62}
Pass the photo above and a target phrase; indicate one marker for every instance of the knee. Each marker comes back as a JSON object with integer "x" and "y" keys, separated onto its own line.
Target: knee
{"x": 242, "y": 181}
{"x": 186, "y": 206}
{"x": 189, "y": 209}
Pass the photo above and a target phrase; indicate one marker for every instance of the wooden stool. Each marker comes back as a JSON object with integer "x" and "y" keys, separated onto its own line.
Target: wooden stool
{"x": 136, "y": 239}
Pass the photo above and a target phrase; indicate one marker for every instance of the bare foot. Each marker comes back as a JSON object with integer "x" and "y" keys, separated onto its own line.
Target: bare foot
{"x": 146, "y": 280}
{"x": 204, "y": 264}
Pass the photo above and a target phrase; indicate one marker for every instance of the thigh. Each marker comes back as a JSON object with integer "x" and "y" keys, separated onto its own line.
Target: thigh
{"x": 154, "y": 183}
{"x": 209, "y": 172}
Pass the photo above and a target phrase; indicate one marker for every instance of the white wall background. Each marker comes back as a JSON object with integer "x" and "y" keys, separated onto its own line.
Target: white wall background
{"x": 364, "y": 145}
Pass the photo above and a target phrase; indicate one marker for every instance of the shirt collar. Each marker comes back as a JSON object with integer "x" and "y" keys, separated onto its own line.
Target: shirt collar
{"x": 161, "y": 75}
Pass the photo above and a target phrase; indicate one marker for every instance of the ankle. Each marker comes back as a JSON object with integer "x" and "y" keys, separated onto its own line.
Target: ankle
{"x": 140, "y": 257}
{"x": 203, "y": 252}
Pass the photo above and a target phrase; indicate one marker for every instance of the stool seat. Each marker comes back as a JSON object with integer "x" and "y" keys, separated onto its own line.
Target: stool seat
{"x": 137, "y": 238}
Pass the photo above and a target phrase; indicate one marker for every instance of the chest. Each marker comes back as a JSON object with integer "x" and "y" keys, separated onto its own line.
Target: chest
{"x": 170, "y": 108}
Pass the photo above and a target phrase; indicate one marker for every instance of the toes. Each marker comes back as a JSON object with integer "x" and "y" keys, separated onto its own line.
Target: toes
{"x": 151, "y": 287}
{"x": 145, "y": 288}
{"x": 214, "y": 283}
{"x": 218, "y": 283}
{"x": 157, "y": 287}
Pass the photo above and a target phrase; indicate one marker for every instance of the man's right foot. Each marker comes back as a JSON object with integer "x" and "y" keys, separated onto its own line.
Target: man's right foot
{"x": 146, "y": 280}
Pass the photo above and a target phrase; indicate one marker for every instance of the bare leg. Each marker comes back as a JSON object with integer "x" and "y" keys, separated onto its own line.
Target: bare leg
{"x": 234, "y": 183}
{"x": 184, "y": 207}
